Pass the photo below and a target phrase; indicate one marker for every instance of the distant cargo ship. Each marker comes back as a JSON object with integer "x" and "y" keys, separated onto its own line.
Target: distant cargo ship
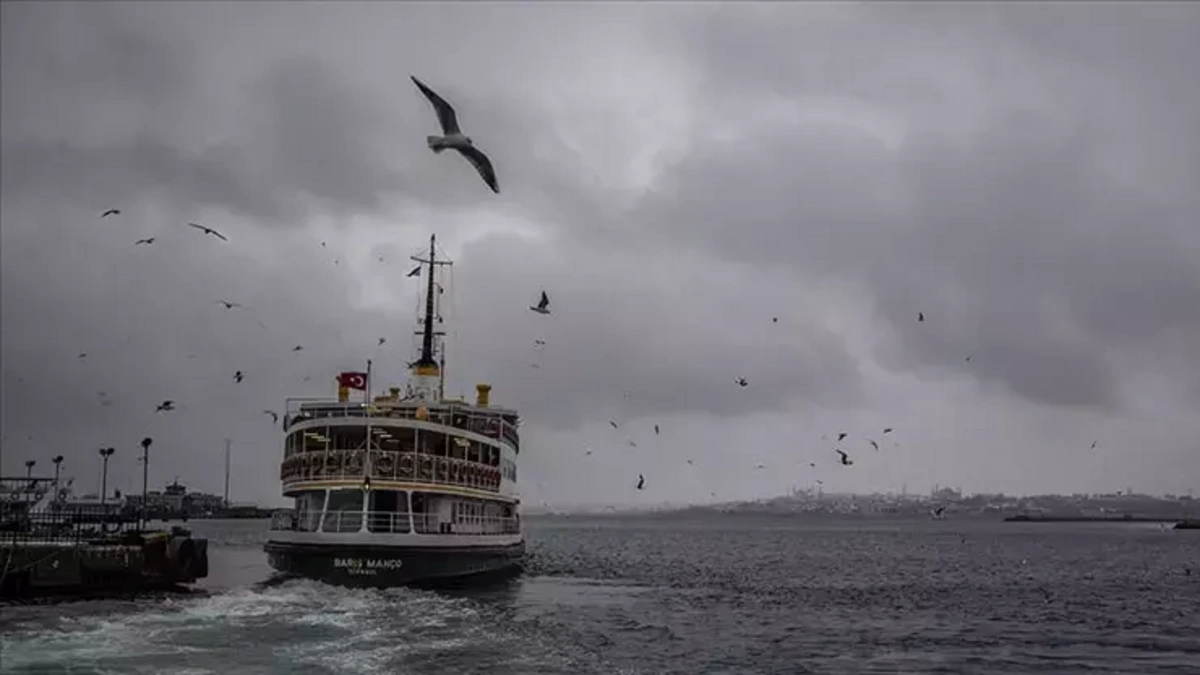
{"x": 404, "y": 489}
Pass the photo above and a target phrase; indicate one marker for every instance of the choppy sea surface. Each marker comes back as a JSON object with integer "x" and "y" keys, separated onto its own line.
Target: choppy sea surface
{"x": 688, "y": 595}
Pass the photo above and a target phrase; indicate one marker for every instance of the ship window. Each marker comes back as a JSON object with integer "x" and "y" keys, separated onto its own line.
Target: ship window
{"x": 314, "y": 440}
{"x": 348, "y": 438}
{"x": 344, "y": 513}
{"x": 388, "y": 511}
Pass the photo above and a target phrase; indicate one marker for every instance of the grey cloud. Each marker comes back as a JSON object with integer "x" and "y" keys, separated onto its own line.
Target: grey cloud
{"x": 1017, "y": 243}
{"x": 1028, "y": 188}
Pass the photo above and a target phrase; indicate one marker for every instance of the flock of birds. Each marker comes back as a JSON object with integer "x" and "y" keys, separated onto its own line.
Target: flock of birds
{"x": 453, "y": 138}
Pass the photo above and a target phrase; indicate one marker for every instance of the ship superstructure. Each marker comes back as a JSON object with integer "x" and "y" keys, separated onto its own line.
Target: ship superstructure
{"x": 401, "y": 487}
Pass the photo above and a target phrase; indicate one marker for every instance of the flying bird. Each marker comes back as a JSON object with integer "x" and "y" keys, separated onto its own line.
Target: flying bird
{"x": 82, "y": 355}
{"x": 166, "y": 406}
{"x": 454, "y": 137}
{"x": 274, "y": 415}
{"x": 655, "y": 429}
{"x": 297, "y": 348}
{"x": 887, "y": 430}
{"x": 381, "y": 341}
{"x": 873, "y": 444}
{"x": 228, "y": 304}
{"x": 1094, "y": 445}
{"x": 416, "y": 271}
{"x": 774, "y": 319}
{"x": 208, "y": 230}
{"x": 841, "y": 436}
{"x": 543, "y": 306}
{"x": 742, "y": 382}
{"x": 237, "y": 377}
{"x": 641, "y": 482}
{"x": 539, "y": 343}
{"x": 111, "y": 212}
{"x": 614, "y": 424}
{"x": 631, "y": 444}
{"x": 921, "y": 316}
{"x": 147, "y": 240}
{"x": 845, "y": 459}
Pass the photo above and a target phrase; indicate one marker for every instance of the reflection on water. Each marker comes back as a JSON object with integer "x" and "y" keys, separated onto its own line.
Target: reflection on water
{"x": 732, "y": 594}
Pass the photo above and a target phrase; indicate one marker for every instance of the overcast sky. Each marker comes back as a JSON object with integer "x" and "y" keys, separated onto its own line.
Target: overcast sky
{"x": 676, "y": 176}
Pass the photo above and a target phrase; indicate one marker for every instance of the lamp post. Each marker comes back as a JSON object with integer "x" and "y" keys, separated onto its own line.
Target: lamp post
{"x": 29, "y": 467}
{"x": 146, "y": 442}
{"x": 57, "y": 466}
{"x": 105, "y": 453}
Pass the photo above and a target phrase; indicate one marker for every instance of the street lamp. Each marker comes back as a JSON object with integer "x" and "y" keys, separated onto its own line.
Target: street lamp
{"x": 57, "y": 466}
{"x": 105, "y": 453}
{"x": 146, "y": 442}
{"x": 29, "y": 467}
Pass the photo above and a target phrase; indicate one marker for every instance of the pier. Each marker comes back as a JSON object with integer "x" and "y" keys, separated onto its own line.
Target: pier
{"x": 49, "y": 546}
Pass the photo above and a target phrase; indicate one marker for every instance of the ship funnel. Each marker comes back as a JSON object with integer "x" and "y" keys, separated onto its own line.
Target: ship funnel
{"x": 481, "y": 394}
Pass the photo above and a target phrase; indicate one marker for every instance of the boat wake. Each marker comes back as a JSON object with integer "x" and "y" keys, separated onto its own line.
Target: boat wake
{"x": 280, "y": 625}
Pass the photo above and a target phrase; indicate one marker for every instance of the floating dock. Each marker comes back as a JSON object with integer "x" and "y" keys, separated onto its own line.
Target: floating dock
{"x": 69, "y": 553}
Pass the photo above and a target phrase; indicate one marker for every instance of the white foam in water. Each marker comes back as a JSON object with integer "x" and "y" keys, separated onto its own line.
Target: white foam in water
{"x": 297, "y": 624}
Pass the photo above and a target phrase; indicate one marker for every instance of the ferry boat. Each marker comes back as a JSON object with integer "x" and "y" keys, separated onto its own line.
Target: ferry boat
{"x": 400, "y": 489}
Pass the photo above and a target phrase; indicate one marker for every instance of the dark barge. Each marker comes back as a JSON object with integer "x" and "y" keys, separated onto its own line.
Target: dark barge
{"x": 59, "y": 553}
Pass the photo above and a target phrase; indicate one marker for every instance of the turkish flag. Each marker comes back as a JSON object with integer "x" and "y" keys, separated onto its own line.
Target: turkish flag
{"x": 353, "y": 381}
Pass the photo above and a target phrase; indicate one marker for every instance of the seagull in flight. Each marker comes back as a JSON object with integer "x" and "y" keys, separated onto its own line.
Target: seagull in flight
{"x": 416, "y": 271}
{"x": 166, "y": 406}
{"x": 111, "y": 212}
{"x": 237, "y": 377}
{"x": 921, "y": 316}
{"x": 845, "y": 459}
{"x": 147, "y": 240}
{"x": 873, "y": 444}
{"x": 381, "y": 341}
{"x": 841, "y": 436}
{"x": 887, "y": 430}
{"x": 655, "y": 429}
{"x": 742, "y": 382}
{"x": 543, "y": 306}
{"x": 641, "y": 482}
{"x": 208, "y": 230}
{"x": 297, "y": 348}
{"x": 228, "y": 304}
{"x": 614, "y": 424}
{"x": 274, "y": 415}
{"x": 454, "y": 137}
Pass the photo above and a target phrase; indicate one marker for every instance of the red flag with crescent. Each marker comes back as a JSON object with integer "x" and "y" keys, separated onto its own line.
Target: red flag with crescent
{"x": 353, "y": 381}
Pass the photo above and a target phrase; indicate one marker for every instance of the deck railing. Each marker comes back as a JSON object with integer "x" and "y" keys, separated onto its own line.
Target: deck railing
{"x": 406, "y": 467}
{"x": 490, "y": 426}
{"x": 392, "y": 522}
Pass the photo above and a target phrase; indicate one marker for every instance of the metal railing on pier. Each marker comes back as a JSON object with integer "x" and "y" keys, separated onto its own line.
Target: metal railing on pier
{"x": 63, "y": 526}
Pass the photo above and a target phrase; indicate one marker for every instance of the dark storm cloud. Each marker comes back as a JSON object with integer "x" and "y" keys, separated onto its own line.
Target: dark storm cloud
{"x": 1016, "y": 239}
{"x": 625, "y": 340}
{"x": 1030, "y": 191}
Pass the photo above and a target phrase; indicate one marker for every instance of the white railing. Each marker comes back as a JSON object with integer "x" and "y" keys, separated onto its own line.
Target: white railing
{"x": 387, "y": 465}
{"x": 392, "y": 522}
{"x": 432, "y": 523}
{"x": 490, "y": 426}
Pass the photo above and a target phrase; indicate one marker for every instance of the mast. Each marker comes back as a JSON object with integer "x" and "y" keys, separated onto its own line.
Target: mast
{"x": 426, "y": 370}
{"x": 427, "y": 339}
{"x": 227, "y": 442}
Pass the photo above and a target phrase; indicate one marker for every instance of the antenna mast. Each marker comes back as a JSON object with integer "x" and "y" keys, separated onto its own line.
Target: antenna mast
{"x": 427, "y": 371}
